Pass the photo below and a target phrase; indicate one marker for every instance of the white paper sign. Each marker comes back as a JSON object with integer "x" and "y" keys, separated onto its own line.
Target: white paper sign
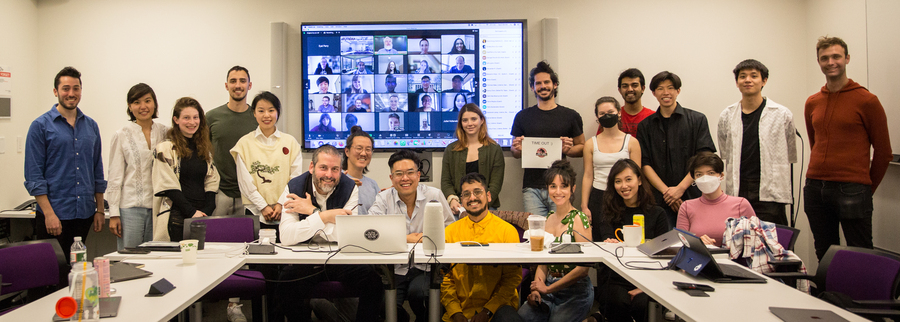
{"x": 5, "y": 81}
{"x": 540, "y": 153}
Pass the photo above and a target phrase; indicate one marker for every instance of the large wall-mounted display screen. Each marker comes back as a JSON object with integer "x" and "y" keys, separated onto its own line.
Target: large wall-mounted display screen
{"x": 404, "y": 83}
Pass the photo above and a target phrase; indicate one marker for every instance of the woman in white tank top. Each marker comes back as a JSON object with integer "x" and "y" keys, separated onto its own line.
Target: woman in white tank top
{"x": 608, "y": 147}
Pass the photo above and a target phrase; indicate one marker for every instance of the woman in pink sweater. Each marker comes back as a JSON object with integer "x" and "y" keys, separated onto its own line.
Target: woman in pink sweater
{"x": 706, "y": 216}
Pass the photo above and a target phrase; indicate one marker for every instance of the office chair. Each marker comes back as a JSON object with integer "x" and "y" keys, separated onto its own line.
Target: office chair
{"x": 245, "y": 283}
{"x": 869, "y": 277}
{"x": 35, "y": 267}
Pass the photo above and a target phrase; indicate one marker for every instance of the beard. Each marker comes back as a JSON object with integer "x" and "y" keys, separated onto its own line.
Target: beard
{"x": 549, "y": 97}
{"x": 324, "y": 186}
{"x": 62, "y": 102}
{"x": 475, "y": 212}
{"x": 238, "y": 98}
{"x": 631, "y": 100}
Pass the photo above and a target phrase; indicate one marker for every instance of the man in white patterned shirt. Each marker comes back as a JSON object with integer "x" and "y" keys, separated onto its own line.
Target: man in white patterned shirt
{"x": 754, "y": 134}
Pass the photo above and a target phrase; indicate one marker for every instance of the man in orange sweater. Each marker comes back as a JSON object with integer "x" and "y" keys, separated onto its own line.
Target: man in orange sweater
{"x": 843, "y": 121}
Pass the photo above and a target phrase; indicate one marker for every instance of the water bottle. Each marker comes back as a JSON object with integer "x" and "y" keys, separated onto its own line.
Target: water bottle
{"x": 84, "y": 287}
{"x": 433, "y": 229}
{"x": 78, "y": 252}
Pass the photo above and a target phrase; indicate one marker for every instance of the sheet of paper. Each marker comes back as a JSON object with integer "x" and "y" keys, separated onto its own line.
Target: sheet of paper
{"x": 540, "y": 153}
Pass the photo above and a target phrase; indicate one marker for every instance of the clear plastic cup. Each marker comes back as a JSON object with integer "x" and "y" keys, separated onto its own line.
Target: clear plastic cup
{"x": 189, "y": 251}
{"x": 536, "y": 231}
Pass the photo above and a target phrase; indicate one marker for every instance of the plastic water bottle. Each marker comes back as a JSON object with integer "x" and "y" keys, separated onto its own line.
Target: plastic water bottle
{"x": 78, "y": 252}
{"x": 84, "y": 287}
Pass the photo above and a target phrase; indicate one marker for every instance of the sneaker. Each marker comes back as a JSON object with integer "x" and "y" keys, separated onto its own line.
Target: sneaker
{"x": 234, "y": 313}
{"x": 670, "y": 316}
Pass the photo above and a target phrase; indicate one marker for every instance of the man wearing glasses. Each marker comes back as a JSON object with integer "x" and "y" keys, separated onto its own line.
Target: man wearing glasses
{"x": 407, "y": 196}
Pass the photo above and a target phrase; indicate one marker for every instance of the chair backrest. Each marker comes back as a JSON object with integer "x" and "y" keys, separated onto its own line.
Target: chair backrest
{"x": 787, "y": 236}
{"x": 861, "y": 273}
{"x": 227, "y": 229}
{"x": 31, "y": 264}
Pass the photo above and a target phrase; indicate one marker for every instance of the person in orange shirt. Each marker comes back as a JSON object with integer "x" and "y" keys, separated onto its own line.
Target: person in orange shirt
{"x": 480, "y": 292}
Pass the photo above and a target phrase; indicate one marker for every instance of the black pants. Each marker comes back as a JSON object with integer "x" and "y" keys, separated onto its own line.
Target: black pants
{"x": 70, "y": 229}
{"x": 412, "y": 287}
{"x": 615, "y": 302}
{"x": 595, "y": 205}
{"x": 829, "y": 204}
{"x": 772, "y": 212}
{"x": 294, "y": 297}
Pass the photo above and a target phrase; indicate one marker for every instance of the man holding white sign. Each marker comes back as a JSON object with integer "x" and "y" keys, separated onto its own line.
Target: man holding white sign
{"x": 538, "y": 123}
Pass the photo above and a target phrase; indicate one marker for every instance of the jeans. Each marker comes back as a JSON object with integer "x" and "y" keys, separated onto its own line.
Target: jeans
{"x": 829, "y": 204}
{"x": 137, "y": 227}
{"x": 537, "y": 201}
{"x": 569, "y": 304}
{"x": 228, "y": 206}
{"x": 413, "y": 287}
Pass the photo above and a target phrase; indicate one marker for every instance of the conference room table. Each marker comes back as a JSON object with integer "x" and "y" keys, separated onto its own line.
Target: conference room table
{"x": 731, "y": 302}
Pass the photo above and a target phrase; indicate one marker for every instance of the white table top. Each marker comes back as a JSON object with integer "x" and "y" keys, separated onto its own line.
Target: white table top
{"x": 730, "y": 301}
{"x": 733, "y": 302}
{"x": 25, "y": 214}
{"x": 191, "y": 282}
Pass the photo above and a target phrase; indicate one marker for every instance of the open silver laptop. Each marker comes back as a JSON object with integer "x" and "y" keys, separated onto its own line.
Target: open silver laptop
{"x": 371, "y": 233}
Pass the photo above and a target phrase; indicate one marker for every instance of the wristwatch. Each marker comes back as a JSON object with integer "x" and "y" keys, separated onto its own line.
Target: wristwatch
{"x": 489, "y": 313}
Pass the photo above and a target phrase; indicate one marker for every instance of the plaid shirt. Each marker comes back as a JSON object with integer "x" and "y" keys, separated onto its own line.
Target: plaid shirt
{"x": 758, "y": 242}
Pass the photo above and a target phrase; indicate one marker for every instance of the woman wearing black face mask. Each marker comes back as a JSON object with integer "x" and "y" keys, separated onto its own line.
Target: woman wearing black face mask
{"x": 600, "y": 153}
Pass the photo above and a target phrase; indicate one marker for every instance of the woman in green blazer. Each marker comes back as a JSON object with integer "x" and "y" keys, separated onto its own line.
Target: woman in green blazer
{"x": 474, "y": 151}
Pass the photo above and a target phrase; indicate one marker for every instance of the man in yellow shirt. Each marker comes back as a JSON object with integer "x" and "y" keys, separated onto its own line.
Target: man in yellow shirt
{"x": 480, "y": 292}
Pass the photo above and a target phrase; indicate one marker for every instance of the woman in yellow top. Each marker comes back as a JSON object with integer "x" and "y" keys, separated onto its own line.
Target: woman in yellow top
{"x": 561, "y": 292}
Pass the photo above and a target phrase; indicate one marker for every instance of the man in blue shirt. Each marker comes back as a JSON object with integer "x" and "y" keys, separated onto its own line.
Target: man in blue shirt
{"x": 63, "y": 167}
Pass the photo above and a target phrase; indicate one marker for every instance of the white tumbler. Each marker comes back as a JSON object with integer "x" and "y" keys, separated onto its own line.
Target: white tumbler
{"x": 433, "y": 229}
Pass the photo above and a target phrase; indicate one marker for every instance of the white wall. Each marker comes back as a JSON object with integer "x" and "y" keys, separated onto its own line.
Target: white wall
{"x": 18, "y": 50}
{"x": 184, "y": 48}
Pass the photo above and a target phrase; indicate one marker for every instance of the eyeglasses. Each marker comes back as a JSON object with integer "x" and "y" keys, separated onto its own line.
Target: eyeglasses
{"x": 360, "y": 149}
{"x": 408, "y": 173}
{"x": 477, "y": 193}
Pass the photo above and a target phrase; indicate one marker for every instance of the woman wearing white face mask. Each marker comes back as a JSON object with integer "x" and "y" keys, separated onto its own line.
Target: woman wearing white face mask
{"x": 706, "y": 216}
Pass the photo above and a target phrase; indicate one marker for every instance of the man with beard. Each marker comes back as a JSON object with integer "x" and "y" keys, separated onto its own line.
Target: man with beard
{"x": 407, "y": 196}
{"x": 311, "y": 202}
{"x": 545, "y": 120}
{"x": 227, "y": 124}
{"x": 631, "y": 87}
{"x": 480, "y": 292}
{"x": 62, "y": 160}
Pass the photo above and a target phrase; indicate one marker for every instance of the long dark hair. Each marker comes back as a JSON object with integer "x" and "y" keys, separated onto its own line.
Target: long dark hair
{"x": 613, "y": 204}
{"x": 566, "y": 173}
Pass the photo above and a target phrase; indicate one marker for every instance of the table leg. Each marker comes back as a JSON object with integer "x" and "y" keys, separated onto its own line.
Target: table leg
{"x": 434, "y": 293}
{"x": 390, "y": 293}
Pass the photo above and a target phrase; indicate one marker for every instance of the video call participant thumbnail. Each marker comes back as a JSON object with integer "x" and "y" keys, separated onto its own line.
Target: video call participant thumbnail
{"x": 323, "y": 67}
{"x": 354, "y": 45}
{"x": 323, "y": 83}
{"x": 421, "y": 64}
{"x": 453, "y": 102}
{"x": 390, "y": 83}
{"x": 391, "y": 64}
{"x": 458, "y": 83}
{"x": 460, "y": 66}
{"x": 459, "y": 44}
{"x": 424, "y": 46}
{"x": 425, "y": 83}
{"x": 325, "y": 122}
{"x": 390, "y": 45}
{"x": 326, "y": 106}
{"x": 394, "y": 103}
{"x": 391, "y": 121}
{"x": 427, "y": 103}
{"x": 358, "y": 84}
{"x": 359, "y": 104}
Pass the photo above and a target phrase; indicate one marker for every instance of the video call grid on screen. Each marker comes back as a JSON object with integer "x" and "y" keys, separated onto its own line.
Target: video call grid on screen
{"x": 402, "y": 83}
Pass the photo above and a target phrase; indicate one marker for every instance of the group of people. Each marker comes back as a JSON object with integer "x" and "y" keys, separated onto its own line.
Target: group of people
{"x": 233, "y": 160}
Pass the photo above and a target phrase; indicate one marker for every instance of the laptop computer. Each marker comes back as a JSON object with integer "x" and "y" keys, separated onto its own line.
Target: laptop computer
{"x": 371, "y": 233}
{"x": 160, "y": 246}
{"x": 109, "y": 308}
{"x": 667, "y": 246}
{"x": 695, "y": 259}
{"x": 119, "y": 272}
{"x": 788, "y": 314}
